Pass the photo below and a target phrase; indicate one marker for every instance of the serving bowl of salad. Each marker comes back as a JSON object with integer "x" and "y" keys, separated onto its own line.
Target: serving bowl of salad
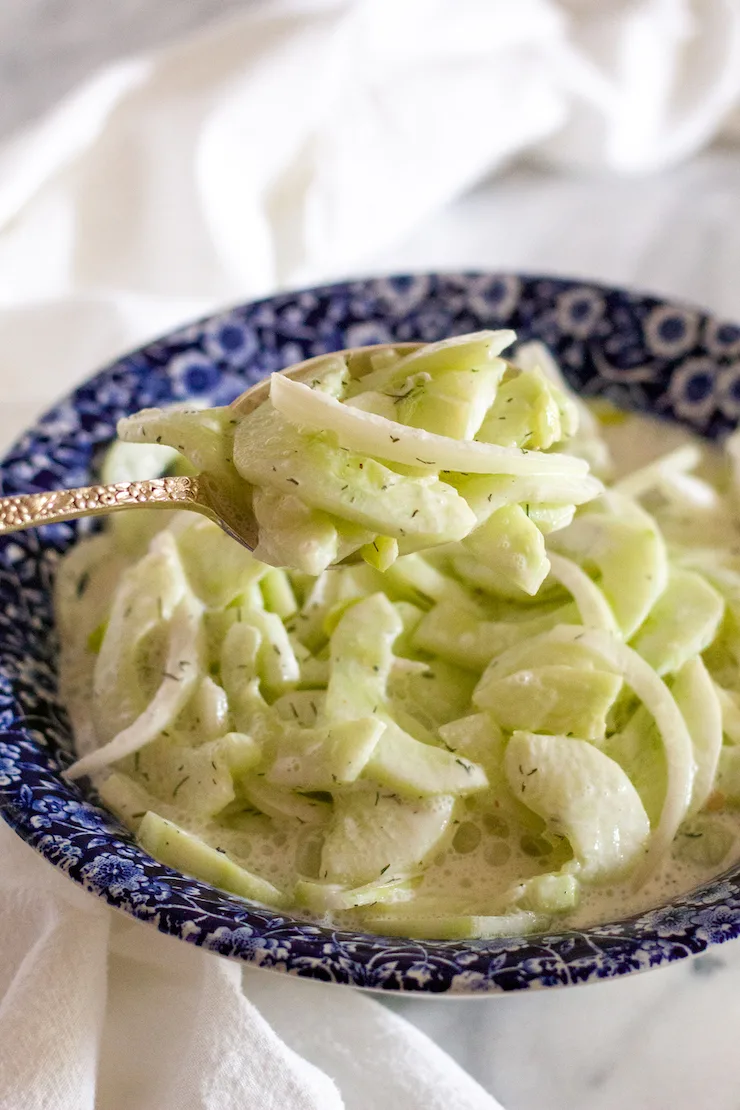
{"x": 504, "y": 760}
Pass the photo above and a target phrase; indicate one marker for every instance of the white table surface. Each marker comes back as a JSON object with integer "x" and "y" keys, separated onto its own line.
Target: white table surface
{"x": 665, "y": 1039}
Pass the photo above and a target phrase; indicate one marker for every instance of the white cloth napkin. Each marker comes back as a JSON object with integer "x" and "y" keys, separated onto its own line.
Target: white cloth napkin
{"x": 100, "y": 1012}
{"x": 292, "y": 144}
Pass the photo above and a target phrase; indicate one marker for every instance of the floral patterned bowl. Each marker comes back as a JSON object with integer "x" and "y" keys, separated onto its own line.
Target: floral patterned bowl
{"x": 637, "y": 350}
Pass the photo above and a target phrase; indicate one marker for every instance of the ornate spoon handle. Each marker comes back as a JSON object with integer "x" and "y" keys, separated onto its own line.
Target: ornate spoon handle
{"x": 29, "y": 510}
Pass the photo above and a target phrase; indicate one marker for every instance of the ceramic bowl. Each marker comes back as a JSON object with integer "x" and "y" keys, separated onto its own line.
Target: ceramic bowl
{"x": 640, "y": 351}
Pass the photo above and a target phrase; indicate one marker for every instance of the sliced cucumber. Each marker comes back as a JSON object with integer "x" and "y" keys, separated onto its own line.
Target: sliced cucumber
{"x": 376, "y": 835}
{"x": 583, "y": 795}
{"x": 186, "y": 852}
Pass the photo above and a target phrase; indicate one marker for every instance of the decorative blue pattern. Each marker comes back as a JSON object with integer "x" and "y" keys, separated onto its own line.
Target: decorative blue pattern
{"x": 639, "y": 351}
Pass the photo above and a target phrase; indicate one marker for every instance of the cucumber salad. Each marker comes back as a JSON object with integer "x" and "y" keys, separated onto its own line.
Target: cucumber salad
{"x": 517, "y": 709}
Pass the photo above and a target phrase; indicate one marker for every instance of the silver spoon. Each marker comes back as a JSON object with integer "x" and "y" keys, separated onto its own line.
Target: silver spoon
{"x": 201, "y": 493}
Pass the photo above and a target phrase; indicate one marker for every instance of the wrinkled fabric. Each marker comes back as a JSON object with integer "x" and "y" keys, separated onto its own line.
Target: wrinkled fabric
{"x": 298, "y": 141}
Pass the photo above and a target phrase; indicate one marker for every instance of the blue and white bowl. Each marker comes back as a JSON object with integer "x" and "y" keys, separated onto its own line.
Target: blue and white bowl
{"x": 639, "y": 351}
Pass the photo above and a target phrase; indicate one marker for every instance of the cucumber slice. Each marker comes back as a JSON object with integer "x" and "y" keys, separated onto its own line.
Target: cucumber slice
{"x": 443, "y": 926}
{"x": 204, "y": 436}
{"x": 460, "y": 637}
{"x": 376, "y": 836}
{"x": 450, "y": 404}
{"x": 380, "y": 553}
{"x": 361, "y": 659}
{"x": 730, "y": 707}
{"x": 302, "y": 707}
{"x": 487, "y": 493}
{"x": 186, "y": 852}
{"x": 479, "y": 739}
{"x": 629, "y": 552}
{"x": 323, "y": 758}
{"x": 728, "y": 775}
{"x": 325, "y": 898}
{"x": 511, "y": 546}
{"x": 703, "y": 841}
{"x": 558, "y": 892}
{"x": 278, "y": 594}
{"x": 423, "y": 583}
{"x": 461, "y": 352}
{"x": 416, "y": 770}
{"x": 551, "y": 699}
{"x": 277, "y": 802}
{"x": 218, "y": 569}
{"x": 198, "y": 781}
{"x": 585, "y": 796}
{"x": 525, "y": 413}
{"x": 269, "y": 451}
{"x": 128, "y": 799}
{"x": 277, "y": 665}
{"x": 293, "y": 534}
{"x": 638, "y": 749}
{"x": 682, "y": 623}
{"x": 696, "y": 697}
{"x": 437, "y": 694}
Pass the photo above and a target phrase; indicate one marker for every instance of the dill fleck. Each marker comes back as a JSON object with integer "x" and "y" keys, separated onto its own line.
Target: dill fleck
{"x": 180, "y": 783}
{"x": 174, "y": 677}
{"x": 526, "y": 509}
{"x": 464, "y": 765}
{"x": 294, "y": 711}
{"x": 377, "y": 796}
{"x": 333, "y": 777}
{"x": 213, "y": 764}
{"x": 136, "y": 816}
{"x": 414, "y": 513}
{"x": 344, "y": 488}
{"x": 395, "y": 439}
{"x": 362, "y": 466}
{"x": 376, "y": 546}
{"x": 385, "y": 869}
{"x": 294, "y": 481}
{"x": 83, "y": 583}
{"x": 532, "y": 772}
{"x": 137, "y": 760}
{"x": 426, "y": 462}
{"x": 313, "y": 706}
{"x": 384, "y": 487}
{"x": 376, "y": 668}
{"x": 276, "y": 649}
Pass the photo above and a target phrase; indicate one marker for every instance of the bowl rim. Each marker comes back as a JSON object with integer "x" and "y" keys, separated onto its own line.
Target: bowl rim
{"x": 77, "y": 835}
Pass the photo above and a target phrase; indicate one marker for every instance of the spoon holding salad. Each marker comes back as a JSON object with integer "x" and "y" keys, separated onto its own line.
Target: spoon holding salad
{"x": 366, "y": 453}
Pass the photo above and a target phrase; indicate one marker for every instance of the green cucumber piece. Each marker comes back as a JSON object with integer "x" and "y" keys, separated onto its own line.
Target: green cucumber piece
{"x": 184, "y": 851}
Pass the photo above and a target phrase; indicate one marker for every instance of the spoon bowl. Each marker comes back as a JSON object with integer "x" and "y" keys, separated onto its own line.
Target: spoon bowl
{"x": 204, "y": 493}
